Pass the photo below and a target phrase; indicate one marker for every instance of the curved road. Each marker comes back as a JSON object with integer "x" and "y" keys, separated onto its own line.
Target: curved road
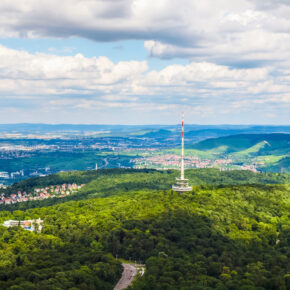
{"x": 127, "y": 278}
{"x": 106, "y": 163}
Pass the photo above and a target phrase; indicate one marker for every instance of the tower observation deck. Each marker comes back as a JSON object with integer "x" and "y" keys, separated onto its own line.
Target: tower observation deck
{"x": 182, "y": 183}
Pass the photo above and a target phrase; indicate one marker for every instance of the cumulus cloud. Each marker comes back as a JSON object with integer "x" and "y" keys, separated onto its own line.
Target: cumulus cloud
{"x": 39, "y": 74}
{"x": 52, "y": 83}
{"x": 241, "y": 32}
{"x": 238, "y": 58}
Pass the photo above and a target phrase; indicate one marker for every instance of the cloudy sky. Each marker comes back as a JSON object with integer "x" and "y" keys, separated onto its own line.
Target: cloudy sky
{"x": 145, "y": 61}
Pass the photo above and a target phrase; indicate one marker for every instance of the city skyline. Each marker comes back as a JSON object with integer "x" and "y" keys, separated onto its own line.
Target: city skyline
{"x": 135, "y": 62}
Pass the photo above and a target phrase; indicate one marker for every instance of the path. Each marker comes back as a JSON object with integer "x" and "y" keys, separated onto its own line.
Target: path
{"x": 127, "y": 278}
{"x": 106, "y": 163}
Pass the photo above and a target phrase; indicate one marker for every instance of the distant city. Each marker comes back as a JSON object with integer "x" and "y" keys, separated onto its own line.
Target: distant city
{"x": 28, "y": 150}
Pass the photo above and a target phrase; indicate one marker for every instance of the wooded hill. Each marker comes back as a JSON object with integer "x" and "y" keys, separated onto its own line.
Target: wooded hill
{"x": 215, "y": 237}
{"x": 277, "y": 144}
{"x": 109, "y": 182}
{"x": 270, "y": 151}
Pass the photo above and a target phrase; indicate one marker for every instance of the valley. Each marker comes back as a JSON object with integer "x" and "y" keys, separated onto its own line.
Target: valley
{"x": 27, "y": 157}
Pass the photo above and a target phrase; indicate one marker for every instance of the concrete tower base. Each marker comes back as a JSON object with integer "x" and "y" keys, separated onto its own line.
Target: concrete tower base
{"x": 181, "y": 185}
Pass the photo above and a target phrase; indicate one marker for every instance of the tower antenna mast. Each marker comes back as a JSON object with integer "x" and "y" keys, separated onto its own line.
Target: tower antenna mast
{"x": 182, "y": 147}
{"x": 182, "y": 183}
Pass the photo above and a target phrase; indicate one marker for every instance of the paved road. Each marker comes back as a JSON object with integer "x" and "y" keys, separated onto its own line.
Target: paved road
{"x": 127, "y": 278}
{"x": 106, "y": 163}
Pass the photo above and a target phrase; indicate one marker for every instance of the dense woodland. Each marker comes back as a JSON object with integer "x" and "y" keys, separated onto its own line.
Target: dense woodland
{"x": 108, "y": 182}
{"x": 231, "y": 232}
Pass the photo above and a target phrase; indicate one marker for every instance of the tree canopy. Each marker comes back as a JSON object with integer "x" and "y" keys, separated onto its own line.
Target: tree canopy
{"x": 234, "y": 236}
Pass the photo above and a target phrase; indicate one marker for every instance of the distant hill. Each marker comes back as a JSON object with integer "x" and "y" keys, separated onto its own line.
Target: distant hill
{"x": 212, "y": 133}
{"x": 275, "y": 143}
{"x": 198, "y": 133}
{"x": 282, "y": 165}
{"x": 159, "y": 134}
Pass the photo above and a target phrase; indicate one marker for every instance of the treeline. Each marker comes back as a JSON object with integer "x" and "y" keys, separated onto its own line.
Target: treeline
{"x": 230, "y": 237}
{"x": 68, "y": 177}
{"x": 109, "y": 182}
{"x": 206, "y": 176}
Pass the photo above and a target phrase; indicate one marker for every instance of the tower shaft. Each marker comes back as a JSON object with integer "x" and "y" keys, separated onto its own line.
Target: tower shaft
{"x": 182, "y": 183}
{"x": 182, "y": 149}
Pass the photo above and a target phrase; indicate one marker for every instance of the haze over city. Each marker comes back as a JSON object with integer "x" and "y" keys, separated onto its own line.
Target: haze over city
{"x": 143, "y": 62}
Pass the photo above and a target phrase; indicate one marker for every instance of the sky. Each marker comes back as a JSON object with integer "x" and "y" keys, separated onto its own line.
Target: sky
{"x": 143, "y": 62}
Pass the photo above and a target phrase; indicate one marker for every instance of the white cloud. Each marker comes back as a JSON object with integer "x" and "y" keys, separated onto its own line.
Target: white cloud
{"x": 238, "y": 54}
{"x": 221, "y": 31}
{"x": 39, "y": 74}
{"x": 61, "y": 84}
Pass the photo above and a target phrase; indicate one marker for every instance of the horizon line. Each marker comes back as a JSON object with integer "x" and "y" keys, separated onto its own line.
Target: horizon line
{"x": 154, "y": 124}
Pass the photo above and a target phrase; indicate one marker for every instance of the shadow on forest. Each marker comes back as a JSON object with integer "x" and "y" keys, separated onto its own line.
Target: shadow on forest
{"x": 178, "y": 246}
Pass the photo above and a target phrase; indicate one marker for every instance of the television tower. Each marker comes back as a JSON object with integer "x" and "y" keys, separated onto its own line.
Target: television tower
{"x": 182, "y": 183}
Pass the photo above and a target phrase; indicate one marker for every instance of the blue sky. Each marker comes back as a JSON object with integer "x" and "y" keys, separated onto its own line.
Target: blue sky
{"x": 116, "y": 51}
{"x": 136, "y": 62}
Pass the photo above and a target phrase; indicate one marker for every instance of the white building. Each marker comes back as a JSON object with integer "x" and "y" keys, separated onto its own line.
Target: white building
{"x": 4, "y": 174}
{"x": 30, "y": 225}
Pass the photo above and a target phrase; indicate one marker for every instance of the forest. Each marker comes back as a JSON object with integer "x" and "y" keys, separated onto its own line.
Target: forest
{"x": 231, "y": 232}
{"x": 114, "y": 181}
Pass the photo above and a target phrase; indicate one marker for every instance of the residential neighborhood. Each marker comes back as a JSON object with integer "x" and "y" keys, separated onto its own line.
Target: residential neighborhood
{"x": 172, "y": 161}
{"x": 41, "y": 193}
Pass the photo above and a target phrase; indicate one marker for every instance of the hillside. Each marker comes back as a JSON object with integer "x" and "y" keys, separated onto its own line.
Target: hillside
{"x": 216, "y": 237}
{"x": 282, "y": 165}
{"x": 267, "y": 152}
{"x": 108, "y": 182}
{"x": 269, "y": 143}
{"x": 159, "y": 134}
{"x": 195, "y": 133}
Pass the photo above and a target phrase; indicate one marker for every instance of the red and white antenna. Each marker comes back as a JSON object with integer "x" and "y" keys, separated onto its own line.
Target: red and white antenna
{"x": 181, "y": 183}
{"x": 182, "y": 147}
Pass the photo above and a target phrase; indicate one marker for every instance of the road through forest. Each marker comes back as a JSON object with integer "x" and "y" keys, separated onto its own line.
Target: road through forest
{"x": 127, "y": 278}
